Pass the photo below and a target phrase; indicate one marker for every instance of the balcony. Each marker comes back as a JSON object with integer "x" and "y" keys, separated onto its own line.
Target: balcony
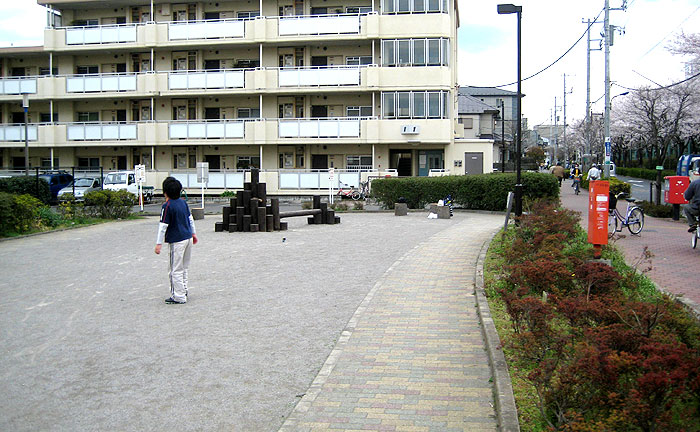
{"x": 206, "y": 129}
{"x": 15, "y": 86}
{"x": 318, "y": 25}
{"x": 215, "y": 79}
{"x": 101, "y": 34}
{"x": 16, "y": 133}
{"x": 101, "y": 131}
{"x": 319, "y": 128}
{"x": 209, "y": 29}
{"x": 319, "y": 76}
{"x": 101, "y": 83}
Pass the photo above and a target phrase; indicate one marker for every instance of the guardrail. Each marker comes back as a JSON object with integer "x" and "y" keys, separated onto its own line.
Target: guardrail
{"x": 12, "y": 86}
{"x": 16, "y": 132}
{"x": 319, "y": 179}
{"x": 319, "y": 76}
{"x": 319, "y": 128}
{"x": 215, "y": 79}
{"x": 316, "y": 25}
{"x": 207, "y": 29}
{"x": 119, "y": 33}
{"x": 101, "y": 131}
{"x": 101, "y": 83}
{"x": 206, "y": 129}
{"x": 222, "y": 179}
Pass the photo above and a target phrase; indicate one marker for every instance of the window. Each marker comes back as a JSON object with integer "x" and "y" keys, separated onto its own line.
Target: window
{"x": 248, "y": 15}
{"x": 404, "y": 52}
{"x": 419, "y": 52}
{"x": 46, "y": 71}
{"x": 388, "y": 53}
{"x": 247, "y": 162}
{"x": 358, "y": 111}
{"x": 212, "y": 15}
{"x": 86, "y": 23}
{"x": 388, "y": 6}
{"x": 88, "y": 116}
{"x": 415, "y": 52}
{"x": 355, "y": 161}
{"x": 46, "y": 162}
{"x": 248, "y": 113}
{"x": 414, "y": 6}
{"x": 418, "y": 5}
{"x": 434, "y": 52}
{"x": 358, "y": 61}
{"x": 388, "y": 105}
{"x": 404, "y": 5}
{"x": 46, "y": 117}
{"x": 92, "y": 162}
{"x": 467, "y": 122}
{"x": 85, "y": 70}
{"x": 415, "y": 104}
{"x": 358, "y": 9}
{"x": 434, "y": 5}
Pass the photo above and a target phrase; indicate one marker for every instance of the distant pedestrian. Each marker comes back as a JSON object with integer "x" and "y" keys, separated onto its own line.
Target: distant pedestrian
{"x": 593, "y": 173}
{"x": 558, "y": 172}
{"x": 177, "y": 229}
{"x": 692, "y": 209}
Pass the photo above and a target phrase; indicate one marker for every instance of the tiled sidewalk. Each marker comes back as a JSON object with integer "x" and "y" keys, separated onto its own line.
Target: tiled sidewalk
{"x": 412, "y": 357}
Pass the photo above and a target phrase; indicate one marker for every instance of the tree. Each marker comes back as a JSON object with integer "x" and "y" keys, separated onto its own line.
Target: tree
{"x": 536, "y": 154}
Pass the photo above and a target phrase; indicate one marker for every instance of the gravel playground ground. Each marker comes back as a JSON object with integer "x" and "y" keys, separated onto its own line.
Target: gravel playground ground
{"x": 88, "y": 343}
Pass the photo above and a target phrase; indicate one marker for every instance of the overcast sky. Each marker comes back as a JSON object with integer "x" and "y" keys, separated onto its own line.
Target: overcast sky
{"x": 487, "y": 47}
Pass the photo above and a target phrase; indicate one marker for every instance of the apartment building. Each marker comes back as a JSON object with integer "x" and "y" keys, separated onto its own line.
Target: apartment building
{"x": 285, "y": 86}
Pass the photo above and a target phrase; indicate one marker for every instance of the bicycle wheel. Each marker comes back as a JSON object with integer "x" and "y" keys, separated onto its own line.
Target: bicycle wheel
{"x": 694, "y": 240}
{"x": 612, "y": 224}
{"x": 635, "y": 220}
{"x": 355, "y": 195}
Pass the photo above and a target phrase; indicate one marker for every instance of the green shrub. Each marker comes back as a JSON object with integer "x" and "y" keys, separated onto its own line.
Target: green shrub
{"x": 359, "y": 205}
{"x": 478, "y": 192}
{"x": 616, "y": 186}
{"x": 7, "y": 217}
{"x": 339, "y": 206}
{"x": 49, "y": 218}
{"x": 25, "y": 210}
{"x": 70, "y": 209}
{"x": 643, "y": 173}
{"x": 228, "y": 194}
{"x": 27, "y": 185}
{"x": 107, "y": 204}
{"x": 651, "y": 209}
{"x": 307, "y": 205}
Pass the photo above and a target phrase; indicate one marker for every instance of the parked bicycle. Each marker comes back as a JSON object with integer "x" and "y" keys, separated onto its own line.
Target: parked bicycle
{"x": 696, "y": 236}
{"x": 347, "y": 193}
{"x": 633, "y": 218}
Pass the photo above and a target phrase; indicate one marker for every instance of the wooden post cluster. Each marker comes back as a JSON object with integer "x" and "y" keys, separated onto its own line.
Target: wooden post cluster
{"x": 251, "y": 212}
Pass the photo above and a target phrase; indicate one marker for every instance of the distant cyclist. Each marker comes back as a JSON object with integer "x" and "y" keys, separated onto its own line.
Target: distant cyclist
{"x": 692, "y": 209}
{"x": 576, "y": 174}
{"x": 593, "y": 173}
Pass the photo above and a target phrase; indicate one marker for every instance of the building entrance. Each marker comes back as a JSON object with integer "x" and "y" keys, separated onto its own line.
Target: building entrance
{"x": 402, "y": 162}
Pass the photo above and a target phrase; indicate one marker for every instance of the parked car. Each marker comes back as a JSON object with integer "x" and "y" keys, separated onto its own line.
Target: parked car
{"x": 82, "y": 186}
{"x": 57, "y": 180}
{"x": 126, "y": 180}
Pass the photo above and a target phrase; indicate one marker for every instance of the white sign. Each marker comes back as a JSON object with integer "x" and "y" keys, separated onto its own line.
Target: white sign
{"x": 202, "y": 172}
{"x": 140, "y": 171}
{"x": 331, "y": 188}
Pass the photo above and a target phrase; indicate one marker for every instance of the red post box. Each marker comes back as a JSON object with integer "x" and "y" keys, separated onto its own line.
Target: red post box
{"x": 675, "y": 187}
{"x": 598, "y": 204}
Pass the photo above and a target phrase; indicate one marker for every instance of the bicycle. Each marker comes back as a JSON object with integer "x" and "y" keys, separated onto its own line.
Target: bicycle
{"x": 351, "y": 193}
{"x": 696, "y": 236}
{"x": 577, "y": 185}
{"x": 633, "y": 219}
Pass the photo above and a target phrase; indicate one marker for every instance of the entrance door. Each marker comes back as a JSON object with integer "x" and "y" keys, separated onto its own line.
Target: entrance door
{"x": 18, "y": 162}
{"x": 214, "y": 161}
{"x": 429, "y": 159}
{"x": 212, "y": 113}
{"x": 121, "y": 163}
{"x": 473, "y": 163}
{"x": 319, "y": 161}
{"x": 319, "y": 111}
{"x": 402, "y": 162}
{"x": 319, "y": 61}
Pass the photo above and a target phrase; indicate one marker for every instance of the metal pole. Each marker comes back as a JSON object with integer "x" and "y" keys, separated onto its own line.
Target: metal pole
{"x": 503, "y": 136}
{"x": 607, "y": 83}
{"x": 26, "y": 141}
{"x": 588, "y": 88}
{"x": 556, "y": 130}
{"x": 518, "y": 180}
{"x": 566, "y": 150}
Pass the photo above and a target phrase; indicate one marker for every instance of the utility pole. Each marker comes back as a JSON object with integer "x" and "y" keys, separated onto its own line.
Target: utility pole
{"x": 566, "y": 149}
{"x": 556, "y": 130}
{"x": 606, "y": 127}
{"x": 589, "y": 23}
{"x": 503, "y": 136}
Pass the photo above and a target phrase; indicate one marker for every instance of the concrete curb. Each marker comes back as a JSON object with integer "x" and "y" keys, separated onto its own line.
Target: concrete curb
{"x": 506, "y": 410}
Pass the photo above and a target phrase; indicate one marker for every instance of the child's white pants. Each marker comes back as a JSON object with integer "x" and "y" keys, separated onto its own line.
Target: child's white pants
{"x": 179, "y": 264}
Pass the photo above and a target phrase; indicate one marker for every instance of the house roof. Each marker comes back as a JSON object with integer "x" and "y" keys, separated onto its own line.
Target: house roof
{"x": 485, "y": 91}
{"x": 470, "y": 105}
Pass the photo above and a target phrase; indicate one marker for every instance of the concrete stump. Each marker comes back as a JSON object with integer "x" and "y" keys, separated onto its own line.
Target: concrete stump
{"x": 198, "y": 213}
{"x": 400, "y": 209}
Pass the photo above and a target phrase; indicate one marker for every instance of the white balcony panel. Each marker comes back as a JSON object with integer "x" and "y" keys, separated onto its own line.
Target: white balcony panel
{"x": 18, "y": 86}
{"x": 101, "y": 132}
{"x": 206, "y": 80}
{"x": 215, "y": 80}
{"x": 317, "y": 128}
{"x": 319, "y": 25}
{"x": 75, "y": 85}
{"x": 215, "y": 130}
{"x": 178, "y": 130}
{"x": 349, "y": 179}
{"x": 110, "y": 83}
{"x": 289, "y": 180}
{"x": 309, "y": 180}
{"x": 319, "y": 77}
{"x": 234, "y": 79}
{"x": 197, "y": 130}
{"x": 206, "y": 30}
{"x": 328, "y": 129}
{"x": 217, "y": 180}
{"x": 288, "y": 128}
{"x": 349, "y": 128}
{"x": 16, "y": 133}
{"x": 197, "y": 80}
{"x": 93, "y": 84}
{"x": 100, "y": 35}
{"x": 235, "y": 130}
{"x": 340, "y": 76}
{"x": 309, "y": 128}
{"x": 211, "y": 129}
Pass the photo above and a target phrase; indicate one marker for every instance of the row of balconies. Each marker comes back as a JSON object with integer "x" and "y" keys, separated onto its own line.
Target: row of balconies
{"x": 246, "y": 80}
{"x": 258, "y": 30}
{"x": 356, "y": 130}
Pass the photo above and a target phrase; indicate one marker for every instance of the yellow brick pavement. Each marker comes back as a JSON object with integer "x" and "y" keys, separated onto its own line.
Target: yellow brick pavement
{"x": 412, "y": 358}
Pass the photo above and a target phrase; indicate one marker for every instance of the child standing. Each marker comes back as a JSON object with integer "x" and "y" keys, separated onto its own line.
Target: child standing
{"x": 177, "y": 229}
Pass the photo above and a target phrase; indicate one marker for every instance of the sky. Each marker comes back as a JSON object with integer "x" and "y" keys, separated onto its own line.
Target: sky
{"x": 488, "y": 50}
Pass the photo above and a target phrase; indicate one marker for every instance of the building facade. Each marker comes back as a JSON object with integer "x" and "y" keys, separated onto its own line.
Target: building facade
{"x": 286, "y": 85}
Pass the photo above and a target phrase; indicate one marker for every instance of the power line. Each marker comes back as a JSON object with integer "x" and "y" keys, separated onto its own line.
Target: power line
{"x": 661, "y": 88}
{"x": 555, "y": 61}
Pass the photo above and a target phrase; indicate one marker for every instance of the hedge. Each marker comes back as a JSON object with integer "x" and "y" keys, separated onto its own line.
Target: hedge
{"x": 476, "y": 192}
{"x": 642, "y": 173}
{"x": 616, "y": 186}
{"x": 108, "y": 204}
{"x": 20, "y": 213}
{"x": 27, "y": 185}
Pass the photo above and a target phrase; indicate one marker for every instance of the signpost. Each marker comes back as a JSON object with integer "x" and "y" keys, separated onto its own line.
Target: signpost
{"x": 608, "y": 153}
{"x": 203, "y": 176}
{"x": 140, "y": 173}
{"x": 331, "y": 180}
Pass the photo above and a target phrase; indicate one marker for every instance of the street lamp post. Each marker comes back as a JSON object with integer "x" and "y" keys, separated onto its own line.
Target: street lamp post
{"x": 518, "y": 10}
{"x": 25, "y": 105}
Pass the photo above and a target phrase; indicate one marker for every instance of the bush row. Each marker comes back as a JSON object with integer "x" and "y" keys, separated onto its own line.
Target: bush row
{"x": 616, "y": 186}
{"x": 21, "y": 214}
{"x": 27, "y": 185}
{"x": 477, "y": 192}
{"x": 643, "y": 173}
{"x": 600, "y": 348}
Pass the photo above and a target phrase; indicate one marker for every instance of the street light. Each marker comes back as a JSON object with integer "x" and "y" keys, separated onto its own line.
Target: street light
{"x": 502, "y": 10}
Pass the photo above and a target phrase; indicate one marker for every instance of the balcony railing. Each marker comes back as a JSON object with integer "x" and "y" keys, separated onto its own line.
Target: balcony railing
{"x": 16, "y": 132}
{"x": 319, "y": 179}
{"x": 223, "y": 179}
{"x": 214, "y": 79}
{"x": 13, "y": 86}
{"x": 209, "y": 29}
{"x": 319, "y": 76}
{"x": 320, "y": 128}
{"x": 203, "y": 129}
{"x": 101, "y": 83}
{"x": 316, "y": 25}
{"x": 101, "y": 131}
{"x": 101, "y": 34}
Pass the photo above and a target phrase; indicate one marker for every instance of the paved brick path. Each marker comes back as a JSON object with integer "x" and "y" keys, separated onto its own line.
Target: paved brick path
{"x": 412, "y": 357}
{"x": 675, "y": 264}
